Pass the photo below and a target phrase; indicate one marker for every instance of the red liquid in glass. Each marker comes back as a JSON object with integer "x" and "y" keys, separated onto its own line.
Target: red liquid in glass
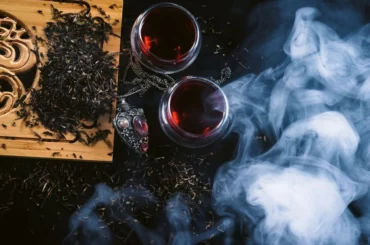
{"x": 197, "y": 107}
{"x": 168, "y": 33}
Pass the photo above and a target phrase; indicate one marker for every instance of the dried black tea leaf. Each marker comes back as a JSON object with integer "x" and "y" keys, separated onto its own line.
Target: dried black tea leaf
{"x": 47, "y": 133}
{"x": 38, "y": 136}
{"x": 56, "y": 154}
{"x": 115, "y": 22}
{"x": 113, "y": 6}
{"x": 19, "y": 101}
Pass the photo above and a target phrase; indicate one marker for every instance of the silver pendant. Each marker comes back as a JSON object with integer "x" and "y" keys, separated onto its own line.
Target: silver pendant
{"x": 132, "y": 126}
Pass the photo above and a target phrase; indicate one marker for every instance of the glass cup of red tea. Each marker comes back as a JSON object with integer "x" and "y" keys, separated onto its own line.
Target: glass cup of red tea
{"x": 194, "y": 112}
{"x": 166, "y": 38}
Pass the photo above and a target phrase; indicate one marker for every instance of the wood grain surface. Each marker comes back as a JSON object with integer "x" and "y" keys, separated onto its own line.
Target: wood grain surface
{"x": 20, "y": 140}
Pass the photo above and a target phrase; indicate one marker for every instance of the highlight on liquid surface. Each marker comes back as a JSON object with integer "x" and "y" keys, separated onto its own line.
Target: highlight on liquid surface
{"x": 197, "y": 107}
{"x": 168, "y": 32}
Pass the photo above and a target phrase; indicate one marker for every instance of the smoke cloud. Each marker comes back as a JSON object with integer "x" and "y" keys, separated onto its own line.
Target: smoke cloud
{"x": 314, "y": 106}
{"x": 89, "y": 225}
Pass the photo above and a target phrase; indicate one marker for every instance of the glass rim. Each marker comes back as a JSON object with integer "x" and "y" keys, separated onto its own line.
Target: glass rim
{"x": 188, "y": 13}
{"x": 225, "y": 115}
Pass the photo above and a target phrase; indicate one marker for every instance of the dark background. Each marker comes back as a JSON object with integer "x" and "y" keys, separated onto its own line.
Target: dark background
{"x": 251, "y": 34}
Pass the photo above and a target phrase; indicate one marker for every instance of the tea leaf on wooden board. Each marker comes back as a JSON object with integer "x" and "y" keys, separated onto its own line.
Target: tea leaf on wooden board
{"x": 77, "y": 82}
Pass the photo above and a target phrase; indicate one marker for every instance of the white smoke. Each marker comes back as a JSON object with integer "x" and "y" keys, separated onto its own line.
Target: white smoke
{"x": 87, "y": 226}
{"x": 302, "y": 204}
{"x": 316, "y": 107}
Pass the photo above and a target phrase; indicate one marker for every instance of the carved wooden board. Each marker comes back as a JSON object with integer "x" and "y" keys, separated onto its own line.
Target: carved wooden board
{"x": 16, "y": 139}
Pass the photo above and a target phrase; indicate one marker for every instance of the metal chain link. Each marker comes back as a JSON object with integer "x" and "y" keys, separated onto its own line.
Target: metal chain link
{"x": 225, "y": 74}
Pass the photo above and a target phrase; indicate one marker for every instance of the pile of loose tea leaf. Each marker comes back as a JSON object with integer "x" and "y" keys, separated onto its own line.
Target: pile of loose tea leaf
{"x": 77, "y": 81}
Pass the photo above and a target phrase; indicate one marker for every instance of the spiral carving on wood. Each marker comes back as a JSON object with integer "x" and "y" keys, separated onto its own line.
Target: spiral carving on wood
{"x": 16, "y": 57}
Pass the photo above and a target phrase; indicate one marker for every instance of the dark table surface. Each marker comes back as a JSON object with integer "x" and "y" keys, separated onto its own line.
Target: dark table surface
{"x": 251, "y": 34}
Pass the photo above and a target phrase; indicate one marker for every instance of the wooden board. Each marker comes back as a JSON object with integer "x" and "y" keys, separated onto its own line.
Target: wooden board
{"x": 20, "y": 140}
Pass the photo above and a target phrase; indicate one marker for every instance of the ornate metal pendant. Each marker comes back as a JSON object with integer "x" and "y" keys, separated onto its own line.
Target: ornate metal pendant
{"x": 132, "y": 127}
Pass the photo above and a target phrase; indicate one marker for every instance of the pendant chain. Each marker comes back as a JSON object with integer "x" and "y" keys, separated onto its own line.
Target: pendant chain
{"x": 144, "y": 81}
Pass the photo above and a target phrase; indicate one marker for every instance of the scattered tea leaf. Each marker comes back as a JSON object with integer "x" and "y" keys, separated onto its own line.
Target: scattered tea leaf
{"x": 115, "y": 22}
{"x": 56, "y": 154}
{"x": 47, "y": 133}
{"x": 37, "y": 135}
{"x": 113, "y": 6}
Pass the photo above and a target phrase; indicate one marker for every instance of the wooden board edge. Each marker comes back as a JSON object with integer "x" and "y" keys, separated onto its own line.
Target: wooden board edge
{"x": 50, "y": 150}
